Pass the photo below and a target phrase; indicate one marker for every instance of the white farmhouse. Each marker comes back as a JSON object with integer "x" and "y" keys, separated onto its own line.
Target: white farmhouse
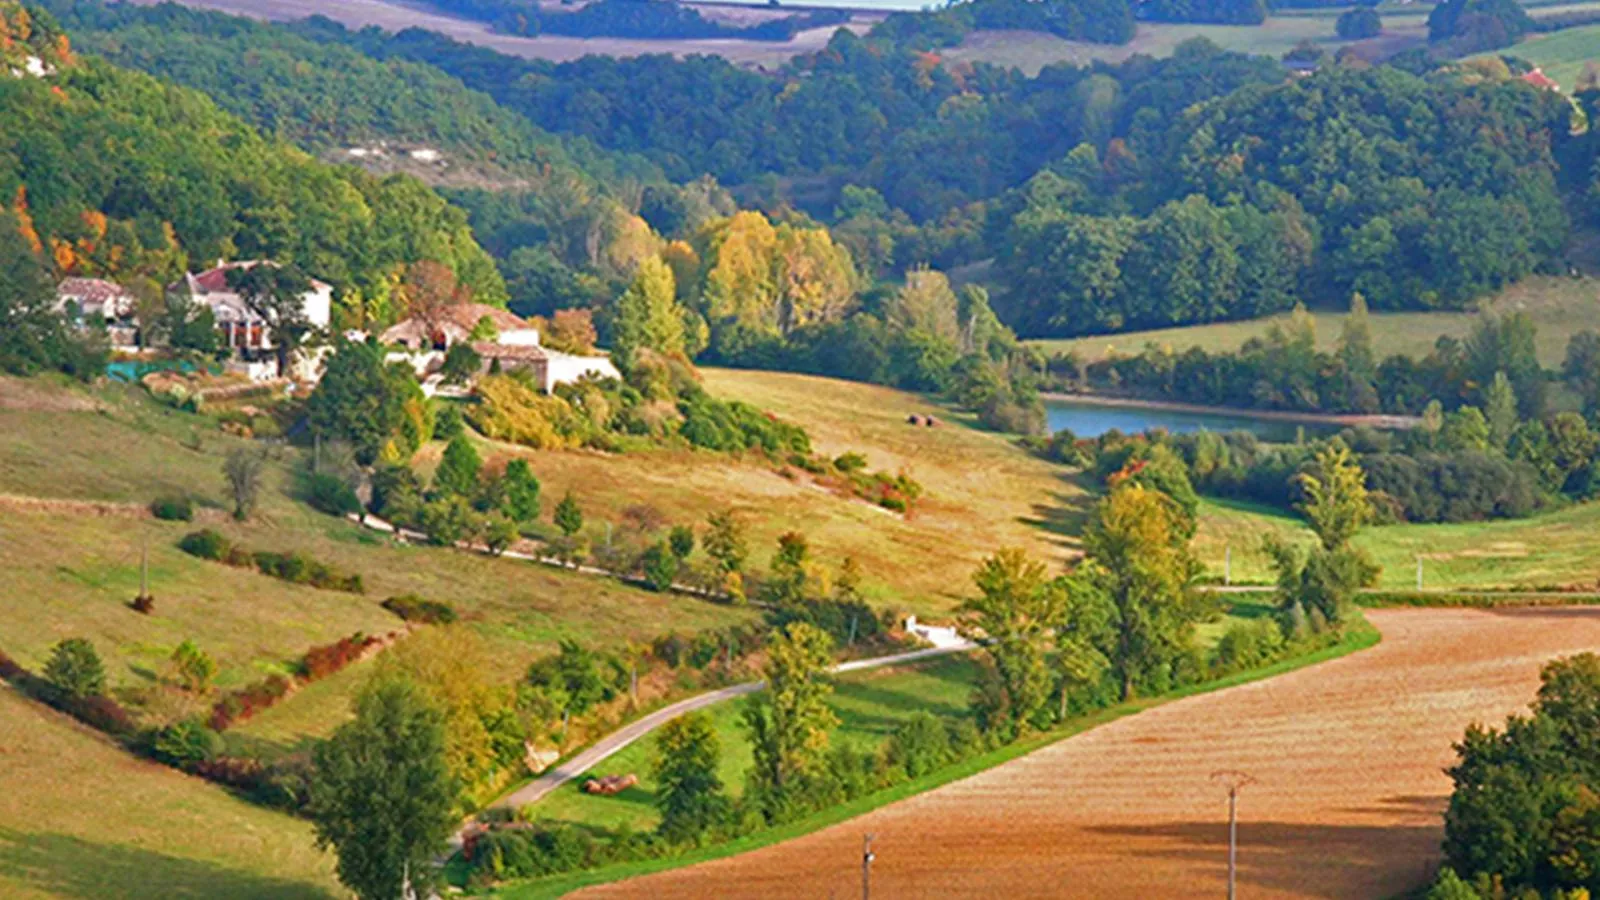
{"x": 246, "y": 333}
{"x": 496, "y": 336}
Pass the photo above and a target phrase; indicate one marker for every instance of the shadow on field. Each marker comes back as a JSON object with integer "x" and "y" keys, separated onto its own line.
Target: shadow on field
{"x": 1065, "y": 516}
{"x": 68, "y": 866}
{"x": 1332, "y": 861}
{"x": 881, "y": 698}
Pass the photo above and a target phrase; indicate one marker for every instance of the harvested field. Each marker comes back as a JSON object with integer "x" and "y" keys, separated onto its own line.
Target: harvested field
{"x": 1347, "y": 758}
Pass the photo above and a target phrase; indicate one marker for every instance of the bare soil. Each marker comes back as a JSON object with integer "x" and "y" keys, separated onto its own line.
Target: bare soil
{"x": 1347, "y": 757}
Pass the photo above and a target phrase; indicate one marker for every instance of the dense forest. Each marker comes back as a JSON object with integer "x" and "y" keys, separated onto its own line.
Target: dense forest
{"x": 1200, "y": 187}
{"x": 176, "y": 183}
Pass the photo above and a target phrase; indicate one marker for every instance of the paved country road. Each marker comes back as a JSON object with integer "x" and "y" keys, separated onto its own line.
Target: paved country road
{"x": 945, "y": 642}
{"x": 1348, "y": 758}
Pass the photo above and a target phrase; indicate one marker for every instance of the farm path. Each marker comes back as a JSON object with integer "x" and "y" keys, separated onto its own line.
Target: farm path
{"x": 1347, "y": 758}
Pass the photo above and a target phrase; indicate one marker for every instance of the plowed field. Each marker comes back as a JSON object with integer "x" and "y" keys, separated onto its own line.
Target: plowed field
{"x": 1347, "y": 758}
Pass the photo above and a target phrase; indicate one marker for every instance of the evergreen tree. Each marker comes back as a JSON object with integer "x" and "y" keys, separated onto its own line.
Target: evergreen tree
{"x": 75, "y": 669}
{"x": 569, "y": 517}
{"x": 519, "y": 492}
{"x": 457, "y": 474}
{"x": 1501, "y": 411}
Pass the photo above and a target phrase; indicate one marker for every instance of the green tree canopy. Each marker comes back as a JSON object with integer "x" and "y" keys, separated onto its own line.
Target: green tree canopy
{"x": 382, "y": 796}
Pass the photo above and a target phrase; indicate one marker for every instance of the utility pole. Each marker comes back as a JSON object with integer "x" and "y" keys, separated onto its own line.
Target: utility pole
{"x": 1233, "y": 781}
{"x": 144, "y": 568}
{"x": 1227, "y": 564}
{"x": 867, "y": 856}
{"x": 1419, "y": 571}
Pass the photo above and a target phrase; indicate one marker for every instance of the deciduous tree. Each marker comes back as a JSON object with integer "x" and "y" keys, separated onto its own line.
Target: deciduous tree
{"x": 382, "y": 796}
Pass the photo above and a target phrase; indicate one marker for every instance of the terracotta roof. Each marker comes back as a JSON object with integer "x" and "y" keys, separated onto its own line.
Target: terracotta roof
{"x": 517, "y": 352}
{"x": 93, "y": 290}
{"x": 467, "y": 316}
{"x": 1539, "y": 79}
{"x": 215, "y": 280}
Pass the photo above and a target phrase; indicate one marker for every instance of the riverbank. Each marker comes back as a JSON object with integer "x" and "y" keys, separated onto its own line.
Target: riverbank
{"x": 1342, "y": 420}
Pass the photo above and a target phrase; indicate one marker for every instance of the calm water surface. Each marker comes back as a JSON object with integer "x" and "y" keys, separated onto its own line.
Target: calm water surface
{"x": 1093, "y": 420}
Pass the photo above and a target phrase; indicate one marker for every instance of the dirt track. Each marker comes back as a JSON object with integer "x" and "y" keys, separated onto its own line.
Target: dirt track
{"x": 1347, "y": 757}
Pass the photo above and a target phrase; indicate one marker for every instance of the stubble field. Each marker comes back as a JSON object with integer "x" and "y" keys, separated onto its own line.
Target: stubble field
{"x": 1347, "y": 759}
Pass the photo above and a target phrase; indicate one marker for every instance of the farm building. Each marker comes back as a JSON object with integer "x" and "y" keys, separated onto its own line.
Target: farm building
{"x": 247, "y": 333}
{"x": 497, "y": 336}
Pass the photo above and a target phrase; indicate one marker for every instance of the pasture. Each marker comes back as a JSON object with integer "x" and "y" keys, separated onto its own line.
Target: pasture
{"x": 84, "y": 818}
{"x": 1560, "y": 306}
{"x": 981, "y": 492}
{"x": 1560, "y": 54}
{"x": 1555, "y": 549}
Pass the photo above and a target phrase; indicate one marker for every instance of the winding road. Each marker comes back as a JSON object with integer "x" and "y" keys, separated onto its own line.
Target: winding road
{"x": 945, "y": 641}
{"x": 1347, "y": 756}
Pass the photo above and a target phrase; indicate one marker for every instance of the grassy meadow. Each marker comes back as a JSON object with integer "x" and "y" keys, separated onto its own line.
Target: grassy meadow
{"x": 870, "y": 705}
{"x": 1560, "y": 306}
{"x": 1560, "y": 54}
{"x": 1558, "y": 548}
{"x": 81, "y": 818}
{"x": 981, "y": 492}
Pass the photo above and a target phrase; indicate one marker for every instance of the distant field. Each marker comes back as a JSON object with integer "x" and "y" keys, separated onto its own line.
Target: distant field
{"x": 80, "y": 818}
{"x": 1561, "y": 54}
{"x": 1031, "y": 50}
{"x": 1557, "y": 548}
{"x": 982, "y": 491}
{"x": 1559, "y": 306}
{"x": 397, "y": 16}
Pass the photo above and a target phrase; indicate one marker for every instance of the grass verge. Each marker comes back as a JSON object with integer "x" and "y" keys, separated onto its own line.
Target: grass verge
{"x": 1359, "y": 637}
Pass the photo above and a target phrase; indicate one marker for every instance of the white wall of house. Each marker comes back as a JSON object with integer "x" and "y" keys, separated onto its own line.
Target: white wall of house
{"x": 564, "y": 368}
{"x": 521, "y": 337}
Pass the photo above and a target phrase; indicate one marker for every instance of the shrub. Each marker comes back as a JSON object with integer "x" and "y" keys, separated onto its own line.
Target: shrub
{"x": 195, "y": 667}
{"x": 206, "y": 544}
{"x": 412, "y": 608}
{"x": 919, "y": 746}
{"x": 1248, "y": 645}
{"x": 172, "y": 509}
{"x": 330, "y": 494}
{"x": 449, "y": 423}
{"x": 320, "y": 662}
{"x": 681, "y": 539}
{"x": 241, "y": 705}
{"x": 75, "y": 669}
{"x": 660, "y": 566}
{"x": 186, "y": 743}
{"x": 144, "y": 603}
{"x": 850, "y": 462}
{"x": 100, "y": 713}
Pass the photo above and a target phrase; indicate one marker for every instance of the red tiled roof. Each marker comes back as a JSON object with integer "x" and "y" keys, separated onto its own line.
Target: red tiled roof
{"x": 215, "y": 280}
{"x": 518, "y": 352}
{"x": 1539, "y": 79}
{"x": 92, "y": 290}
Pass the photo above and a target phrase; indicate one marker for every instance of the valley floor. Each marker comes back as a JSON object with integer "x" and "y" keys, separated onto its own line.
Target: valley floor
{"x": 1347, "y": 759}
